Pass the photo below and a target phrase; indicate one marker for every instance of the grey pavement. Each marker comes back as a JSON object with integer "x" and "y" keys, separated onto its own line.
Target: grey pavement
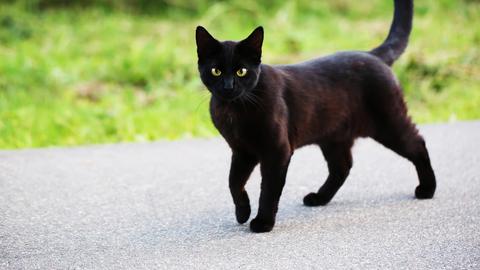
{"x": 166, "y": 205}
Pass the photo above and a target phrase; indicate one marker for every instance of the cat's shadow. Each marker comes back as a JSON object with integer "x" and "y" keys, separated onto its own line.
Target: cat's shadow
{"x": 218, "y": 224}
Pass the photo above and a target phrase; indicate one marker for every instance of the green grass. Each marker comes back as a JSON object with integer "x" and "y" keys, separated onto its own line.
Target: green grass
{"x": 95, "y": 75}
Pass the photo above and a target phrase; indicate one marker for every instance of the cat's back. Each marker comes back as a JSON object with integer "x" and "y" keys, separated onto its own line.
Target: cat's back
{"x": 350, "y": 72}
{"x": 345, "y": 64}
{"x": 332, "y": 91}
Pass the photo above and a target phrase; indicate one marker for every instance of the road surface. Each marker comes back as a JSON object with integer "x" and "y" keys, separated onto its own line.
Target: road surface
{"x": 166, "y": 205}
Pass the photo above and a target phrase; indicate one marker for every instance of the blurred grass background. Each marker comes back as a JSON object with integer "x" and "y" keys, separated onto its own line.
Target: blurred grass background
{"x": 97, "y": 71}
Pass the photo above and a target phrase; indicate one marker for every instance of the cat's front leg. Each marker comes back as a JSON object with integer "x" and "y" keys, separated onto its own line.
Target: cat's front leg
{"x": 273, "y": 168}
{"x": 241, "y": 167}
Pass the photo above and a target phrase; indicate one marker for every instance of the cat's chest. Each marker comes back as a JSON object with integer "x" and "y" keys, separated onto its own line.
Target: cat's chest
{"x": 240, "y": 129}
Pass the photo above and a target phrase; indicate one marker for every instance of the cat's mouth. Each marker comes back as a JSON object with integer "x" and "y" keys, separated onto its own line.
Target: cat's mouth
{"x": 229, "y": 96}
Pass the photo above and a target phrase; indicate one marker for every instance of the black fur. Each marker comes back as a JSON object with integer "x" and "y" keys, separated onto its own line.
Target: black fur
{"x": 329, "y": 101}
{"x": 397, "y": 38}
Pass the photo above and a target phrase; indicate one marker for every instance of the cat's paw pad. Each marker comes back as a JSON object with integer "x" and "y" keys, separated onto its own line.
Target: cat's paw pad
{"x": 258, "y": 225}
{"x": 315, "y": 199}
{"x": 422, "y": 192}
{"x": 242, "y": 213}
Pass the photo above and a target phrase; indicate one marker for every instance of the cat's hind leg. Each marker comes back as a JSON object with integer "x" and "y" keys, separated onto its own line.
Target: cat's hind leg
{"x": 339, "y": 160}
{"x": 403, "y": 138}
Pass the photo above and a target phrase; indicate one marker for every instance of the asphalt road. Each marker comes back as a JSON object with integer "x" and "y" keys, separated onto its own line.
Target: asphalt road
{"x": 165, "y": 205}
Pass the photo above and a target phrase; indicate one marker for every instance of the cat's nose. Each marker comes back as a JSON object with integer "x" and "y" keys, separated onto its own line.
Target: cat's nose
{"x": 228, "y": 83}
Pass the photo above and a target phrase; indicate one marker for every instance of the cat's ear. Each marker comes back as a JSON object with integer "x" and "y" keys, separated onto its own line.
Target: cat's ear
{"x": 206, "y": 44}
{"x": 253, "y": 44}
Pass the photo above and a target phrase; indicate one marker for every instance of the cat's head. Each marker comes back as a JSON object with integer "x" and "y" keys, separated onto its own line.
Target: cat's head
{"x": 229, "y": 69}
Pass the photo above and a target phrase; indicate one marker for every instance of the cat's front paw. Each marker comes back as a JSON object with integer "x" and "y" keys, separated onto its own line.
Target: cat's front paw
{"x": 259, "y": 225}
{"x": 422, "y": 192}
{"x": 315, "y": 199}
{"x": 242, "y": 213}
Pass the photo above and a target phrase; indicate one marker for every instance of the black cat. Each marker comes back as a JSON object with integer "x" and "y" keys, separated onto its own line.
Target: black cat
{"x": 266, "y": 112}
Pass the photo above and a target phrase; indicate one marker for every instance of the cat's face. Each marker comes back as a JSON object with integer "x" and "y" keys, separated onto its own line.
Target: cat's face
{"x": 229, "y": 69}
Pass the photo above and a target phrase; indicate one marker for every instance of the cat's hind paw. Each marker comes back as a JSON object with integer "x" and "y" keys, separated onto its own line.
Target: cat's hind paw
{"x": 242, "y": 213}
{"x": 315, "y": 199}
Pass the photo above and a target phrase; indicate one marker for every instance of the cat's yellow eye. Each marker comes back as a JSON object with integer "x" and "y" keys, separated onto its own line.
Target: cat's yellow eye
{"x": 216, "y": 72}
{"x": 241, "y": 72}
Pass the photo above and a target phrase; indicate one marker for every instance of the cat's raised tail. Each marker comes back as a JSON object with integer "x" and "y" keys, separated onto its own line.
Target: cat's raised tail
{"x": 397, "y": 39}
